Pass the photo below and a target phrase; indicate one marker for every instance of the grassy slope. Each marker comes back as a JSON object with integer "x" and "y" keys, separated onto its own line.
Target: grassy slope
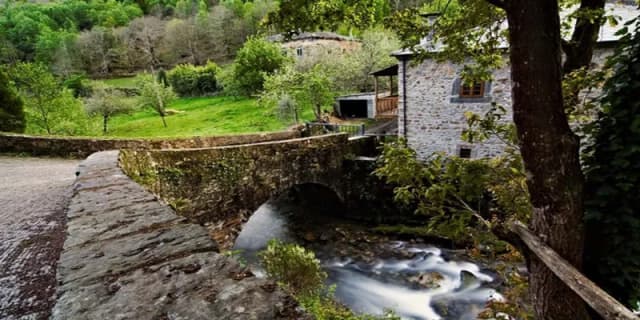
{"x": 201, "y": 116}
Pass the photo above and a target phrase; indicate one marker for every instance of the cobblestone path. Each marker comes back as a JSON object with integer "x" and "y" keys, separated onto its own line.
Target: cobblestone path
{"x": 33, "y": 193}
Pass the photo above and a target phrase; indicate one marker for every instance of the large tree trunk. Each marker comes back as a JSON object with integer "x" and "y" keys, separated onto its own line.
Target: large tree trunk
{"x": 549, "y": 149}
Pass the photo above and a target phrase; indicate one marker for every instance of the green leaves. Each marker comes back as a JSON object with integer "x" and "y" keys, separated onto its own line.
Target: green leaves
{"x": 295, "y": 268}
{"x": 612, "y": 162}
{"x": 50, "y": 108}
{"x": 12, "y": 118}
{"x": 307, "y": 90}
{"x": 453, "y": 193}
{"x": 155, "y": 95}
{"x": 301, "y": 15}
{"x": 256, "y": 60}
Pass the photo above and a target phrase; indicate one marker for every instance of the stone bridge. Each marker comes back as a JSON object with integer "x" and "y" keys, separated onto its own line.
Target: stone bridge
{"x": 221, "y": 187}
{"x": 128, "y": 255}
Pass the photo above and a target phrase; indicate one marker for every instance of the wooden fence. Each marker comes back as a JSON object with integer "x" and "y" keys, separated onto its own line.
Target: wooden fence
{"x": 604, "y": 304}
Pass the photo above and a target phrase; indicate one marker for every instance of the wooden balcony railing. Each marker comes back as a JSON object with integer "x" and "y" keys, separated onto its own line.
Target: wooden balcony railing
{"x": 386, "y": 106}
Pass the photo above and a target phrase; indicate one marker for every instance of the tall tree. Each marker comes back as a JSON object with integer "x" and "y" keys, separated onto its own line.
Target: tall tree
{"x": 97, "y": 50}
{"x": 12, "y": 118}
{"x": 144, "y": 36}
{"x": 550, "y": 150}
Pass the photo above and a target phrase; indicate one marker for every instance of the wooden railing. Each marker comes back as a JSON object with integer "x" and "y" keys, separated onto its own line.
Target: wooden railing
{"x": 604, "y": 304}
{"x": 319, "y": 128}
{"x": 387, "y": 106}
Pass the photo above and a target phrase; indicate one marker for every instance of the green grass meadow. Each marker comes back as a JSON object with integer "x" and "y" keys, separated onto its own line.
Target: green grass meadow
{"x": 201, "y": 116}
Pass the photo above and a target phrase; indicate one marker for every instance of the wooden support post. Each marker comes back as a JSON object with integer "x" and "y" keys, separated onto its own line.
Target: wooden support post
{"x": 604, "y": 304}
{"x": 390, "y": 85}
{"x": 375, "y": 85}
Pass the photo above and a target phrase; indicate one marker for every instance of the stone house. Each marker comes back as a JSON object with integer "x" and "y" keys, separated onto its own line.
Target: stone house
{"x": 433, "y": 100}
{"x": 308, "y": 45}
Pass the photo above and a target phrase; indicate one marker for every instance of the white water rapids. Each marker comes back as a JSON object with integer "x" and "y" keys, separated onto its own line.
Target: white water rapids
{"x": 460, "y": 292}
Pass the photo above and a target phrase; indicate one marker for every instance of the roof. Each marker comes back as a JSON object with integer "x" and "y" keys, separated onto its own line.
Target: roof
{"x": 624, "y": 12}
{"x": 309, "y": 36}
{"x": 389, "y": 71}
{"x": 363, "y": 95}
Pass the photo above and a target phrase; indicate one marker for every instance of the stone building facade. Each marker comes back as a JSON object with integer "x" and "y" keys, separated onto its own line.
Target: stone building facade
{"x": 431, "y": 107}
{"x": 312, "y": 45}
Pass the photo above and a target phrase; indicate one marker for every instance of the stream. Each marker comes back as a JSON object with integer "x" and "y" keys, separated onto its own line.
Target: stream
{"x": 373, "y": 274}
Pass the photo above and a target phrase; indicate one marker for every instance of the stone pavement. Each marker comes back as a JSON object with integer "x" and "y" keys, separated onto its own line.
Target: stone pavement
{"x": 128, "y": 256}
{"x": 32, "y": 224}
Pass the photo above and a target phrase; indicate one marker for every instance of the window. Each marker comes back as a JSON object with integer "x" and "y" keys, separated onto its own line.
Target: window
{"x": 299, "y": 52}
{"x": 465, "y": 153}
{"x": 475, "y": 92}
{"x": 472, "y": 90}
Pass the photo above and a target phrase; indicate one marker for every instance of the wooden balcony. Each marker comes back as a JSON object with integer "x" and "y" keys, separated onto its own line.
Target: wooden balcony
{"x": 386, "y": 101}
{"x": 386, "y": 107}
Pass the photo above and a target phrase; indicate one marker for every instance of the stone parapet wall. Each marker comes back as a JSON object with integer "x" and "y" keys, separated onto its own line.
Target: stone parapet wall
{"x": 82, "y": 147}
{"x": 221, "y": 187}
{"x": 128, "y": 256}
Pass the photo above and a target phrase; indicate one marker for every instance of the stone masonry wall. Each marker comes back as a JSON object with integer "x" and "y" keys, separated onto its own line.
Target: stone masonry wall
{"x": 82, "y": 147}
{"x": 220, "y": 187}
{"x": 435, "y": 122}
{"x": 128, "y": 256}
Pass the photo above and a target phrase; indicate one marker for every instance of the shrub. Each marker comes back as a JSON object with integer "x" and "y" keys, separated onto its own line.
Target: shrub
{"x": 295, "y": 268}
{"x": 190, "y": 80}
{"x": 299, "y": 272}
{"x": 12, "y": 116}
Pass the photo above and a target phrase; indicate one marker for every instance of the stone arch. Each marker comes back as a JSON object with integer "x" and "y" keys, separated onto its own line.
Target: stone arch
{"x": 243, "y": 205}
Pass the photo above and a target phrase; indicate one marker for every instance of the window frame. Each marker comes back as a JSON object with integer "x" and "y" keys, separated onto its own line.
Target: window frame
{"x": 464, "y": 147}
{"x": 470, "y": 91}
{"x": 458, "y": 96}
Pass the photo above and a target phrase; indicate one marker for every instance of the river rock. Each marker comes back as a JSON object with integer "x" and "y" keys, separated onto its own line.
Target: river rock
{"x": 429, "y": 280}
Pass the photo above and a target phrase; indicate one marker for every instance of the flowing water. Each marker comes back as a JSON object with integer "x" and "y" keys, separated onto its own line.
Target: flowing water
{"x": 416, "y": 281}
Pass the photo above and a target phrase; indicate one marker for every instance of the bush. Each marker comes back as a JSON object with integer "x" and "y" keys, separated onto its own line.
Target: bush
{"x": 190, "y": 80}
{"x": 295, "y": 268}
{"x": 299, "y": 272}
{"x": 12, "y": 116}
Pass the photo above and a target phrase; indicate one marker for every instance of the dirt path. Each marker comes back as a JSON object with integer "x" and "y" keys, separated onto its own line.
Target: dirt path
{"x": 33, "y": 193}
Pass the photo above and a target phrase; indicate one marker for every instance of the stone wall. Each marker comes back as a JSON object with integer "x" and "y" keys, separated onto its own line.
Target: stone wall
{"x": 434, "y": 122}
{"x": 435, "y": 117}
{"x": 128, "y": 256}
{"x": 221, "y": 187}
{"x": 82, "y": 147}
